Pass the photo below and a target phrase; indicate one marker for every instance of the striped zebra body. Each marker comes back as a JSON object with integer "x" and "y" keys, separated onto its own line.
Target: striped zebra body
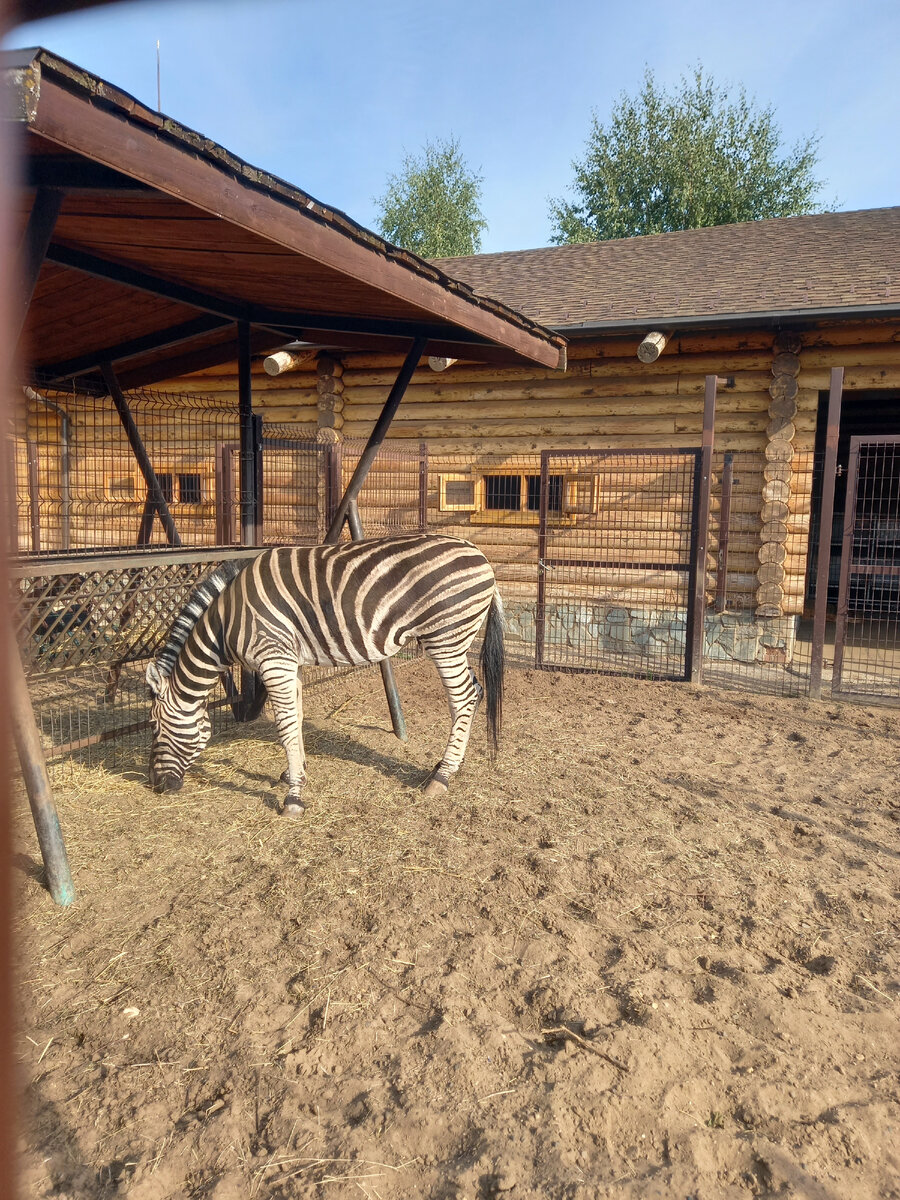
{"x": 343, "y": 605}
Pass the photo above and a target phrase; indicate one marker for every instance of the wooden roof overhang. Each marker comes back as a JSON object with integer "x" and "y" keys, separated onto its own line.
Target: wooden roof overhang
{"x": 157, "y": 242}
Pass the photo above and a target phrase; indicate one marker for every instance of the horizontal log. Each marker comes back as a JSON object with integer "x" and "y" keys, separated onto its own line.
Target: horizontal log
{"x": 781, "y": 427}
{"x": 453, "y": 390}
{"x": 770, "y": 572}
{"x": 787, "y": 341}
{"x": 867, "y": 355}
{"x": 885, "y": 375}
{"x": 774, "y": 510}
{"x": 776, "y": 490}
{"x": 786, "y": 364}
{"x": 772, "y": 552}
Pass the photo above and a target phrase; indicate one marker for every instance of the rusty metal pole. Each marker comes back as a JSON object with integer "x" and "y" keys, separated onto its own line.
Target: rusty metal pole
{"x": 37, "y": 783}
{"x": 398, "y": 721}
{"x": 826, "y": 523}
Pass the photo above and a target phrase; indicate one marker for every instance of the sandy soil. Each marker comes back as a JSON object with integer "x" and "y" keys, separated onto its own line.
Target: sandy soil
{"x": 652, "y": 953}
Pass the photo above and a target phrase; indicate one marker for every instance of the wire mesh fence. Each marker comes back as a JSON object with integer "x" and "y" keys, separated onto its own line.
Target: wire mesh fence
{"x": 95, "y": 582}
{"x": 867, "y": 637}
{"x": 593, "y": 551}
{"x": 756, "y": 637}
{"x": 76, "y": 484}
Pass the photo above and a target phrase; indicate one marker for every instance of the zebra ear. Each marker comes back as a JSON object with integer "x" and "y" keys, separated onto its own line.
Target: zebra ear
{"x": 156, "y": 680}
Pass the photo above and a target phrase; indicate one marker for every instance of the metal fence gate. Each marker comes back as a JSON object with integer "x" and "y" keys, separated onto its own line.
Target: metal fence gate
{"x": 617, "y": 550}
{"x": 867, "y": 633}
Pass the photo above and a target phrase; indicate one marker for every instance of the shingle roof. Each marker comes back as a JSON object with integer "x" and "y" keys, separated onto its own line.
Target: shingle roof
{"x": 832, "y": 260}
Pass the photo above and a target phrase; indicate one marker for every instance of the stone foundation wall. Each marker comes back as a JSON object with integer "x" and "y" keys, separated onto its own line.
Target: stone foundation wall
{"x": 739, "y": 637}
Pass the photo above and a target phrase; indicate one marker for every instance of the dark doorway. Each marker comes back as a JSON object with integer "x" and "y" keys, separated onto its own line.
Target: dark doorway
{"x": 863, "y": 414}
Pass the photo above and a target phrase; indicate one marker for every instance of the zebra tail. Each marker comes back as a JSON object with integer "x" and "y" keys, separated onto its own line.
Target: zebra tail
{"x": 492, "y": 665}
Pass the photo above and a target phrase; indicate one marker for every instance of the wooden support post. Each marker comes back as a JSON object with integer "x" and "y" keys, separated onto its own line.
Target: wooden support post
{"x": 826, "y": 522}
{"x": 37, "y": 783}
{"x": 696, "y": 622}
{"x": 724, "y": 522}
{"x": 398, "y": 721}
{"x": 154, "y": 490}
{"x": 376, "y": 437}
{"x": 35, "y": 244}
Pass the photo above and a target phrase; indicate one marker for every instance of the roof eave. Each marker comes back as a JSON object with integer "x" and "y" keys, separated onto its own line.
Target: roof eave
{"x": 74, "y": 109}
{"x": 770, "y": 318}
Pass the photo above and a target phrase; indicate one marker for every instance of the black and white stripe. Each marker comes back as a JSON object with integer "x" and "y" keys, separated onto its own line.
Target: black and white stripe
{"x": 349, "y": 604}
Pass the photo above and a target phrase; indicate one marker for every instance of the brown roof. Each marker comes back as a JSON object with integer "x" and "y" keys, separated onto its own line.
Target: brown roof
{"x": 159, "y": 224}
{"x": 844, "y": 260}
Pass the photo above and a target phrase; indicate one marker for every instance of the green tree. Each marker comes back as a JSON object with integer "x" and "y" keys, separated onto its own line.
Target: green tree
{"x": 681, "y": 160}
{"x": 431, "y": 206}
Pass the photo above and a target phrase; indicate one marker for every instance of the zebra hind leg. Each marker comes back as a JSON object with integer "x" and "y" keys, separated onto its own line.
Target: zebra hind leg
{"x": 464, "y": 693}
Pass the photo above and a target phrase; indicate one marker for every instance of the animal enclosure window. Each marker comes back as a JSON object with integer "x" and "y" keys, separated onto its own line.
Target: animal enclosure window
{"x": 121, "y": 487}
{"x": 554, "y": 493}
{"x": 189, "y": 489}
{"x": 457, "y": 493}
{"x": 503, "y": 492}
{"x": 166, "y": 482}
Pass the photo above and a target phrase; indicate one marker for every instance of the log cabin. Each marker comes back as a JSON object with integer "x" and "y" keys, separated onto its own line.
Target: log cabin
{"x": 768, "y": 308}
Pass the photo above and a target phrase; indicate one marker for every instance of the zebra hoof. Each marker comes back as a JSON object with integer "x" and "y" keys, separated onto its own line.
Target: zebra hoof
{"x": 293, "y": 809}
{"x": 436, "y": 784}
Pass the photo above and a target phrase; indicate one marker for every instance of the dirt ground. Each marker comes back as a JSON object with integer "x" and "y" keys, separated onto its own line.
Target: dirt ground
{"x": 651, "y": 953}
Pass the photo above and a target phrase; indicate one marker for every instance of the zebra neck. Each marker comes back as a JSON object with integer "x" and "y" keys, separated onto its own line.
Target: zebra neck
{"x": 198, "y": 666}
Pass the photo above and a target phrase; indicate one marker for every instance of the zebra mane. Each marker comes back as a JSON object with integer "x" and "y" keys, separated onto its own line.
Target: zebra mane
{"x": 198, "y": 602}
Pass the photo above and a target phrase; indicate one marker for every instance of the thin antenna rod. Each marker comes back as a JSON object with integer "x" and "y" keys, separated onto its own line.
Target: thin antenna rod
{"x": 158, "y": 94}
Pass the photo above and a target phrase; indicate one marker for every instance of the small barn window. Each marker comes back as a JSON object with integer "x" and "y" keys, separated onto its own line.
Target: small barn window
{"x": 457, "y": 493}
{"x": 166, "y": 485}
{"x": 503, "y": 492}
{"x": 121, "y": 487}
{"x": 580, "y": 494}
{"x": 189, "y": 489}
{"x": 554, "y": 493}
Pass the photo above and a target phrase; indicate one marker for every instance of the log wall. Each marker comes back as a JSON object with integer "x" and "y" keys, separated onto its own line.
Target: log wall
{"x": 500, "y": 418}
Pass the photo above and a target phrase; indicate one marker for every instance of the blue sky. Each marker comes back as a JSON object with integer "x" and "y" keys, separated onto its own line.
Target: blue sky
{"x": 330, "y": 94}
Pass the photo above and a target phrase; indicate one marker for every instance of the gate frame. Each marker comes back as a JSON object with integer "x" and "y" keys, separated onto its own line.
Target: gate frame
{"x": 857, "y": 441}
{"x": 694, "y": 619}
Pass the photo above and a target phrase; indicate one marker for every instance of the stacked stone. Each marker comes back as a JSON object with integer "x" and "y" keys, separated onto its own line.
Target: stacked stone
{"x": 776, "y": 493}
{"x": 330, "y": 387}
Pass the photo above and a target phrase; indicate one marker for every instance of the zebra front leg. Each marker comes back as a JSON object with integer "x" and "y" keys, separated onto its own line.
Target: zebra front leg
{"x": 463, "y": 694}
{"x": 282, "y": 680}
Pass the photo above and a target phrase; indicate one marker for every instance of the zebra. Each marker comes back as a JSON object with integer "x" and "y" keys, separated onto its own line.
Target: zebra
{"x": 333, "y": 605}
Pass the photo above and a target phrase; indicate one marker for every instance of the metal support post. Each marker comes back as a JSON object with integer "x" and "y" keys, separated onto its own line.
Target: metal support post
{"x": 376, "y": 437}
{"x": 155, "y": 495}
{"x": 251, "y": 481}
{"x": 826, "y": 523}
{"x": 398, "y": 721}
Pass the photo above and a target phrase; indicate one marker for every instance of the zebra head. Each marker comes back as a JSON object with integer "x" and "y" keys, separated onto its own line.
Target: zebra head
{"x": 180, "y": 732}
